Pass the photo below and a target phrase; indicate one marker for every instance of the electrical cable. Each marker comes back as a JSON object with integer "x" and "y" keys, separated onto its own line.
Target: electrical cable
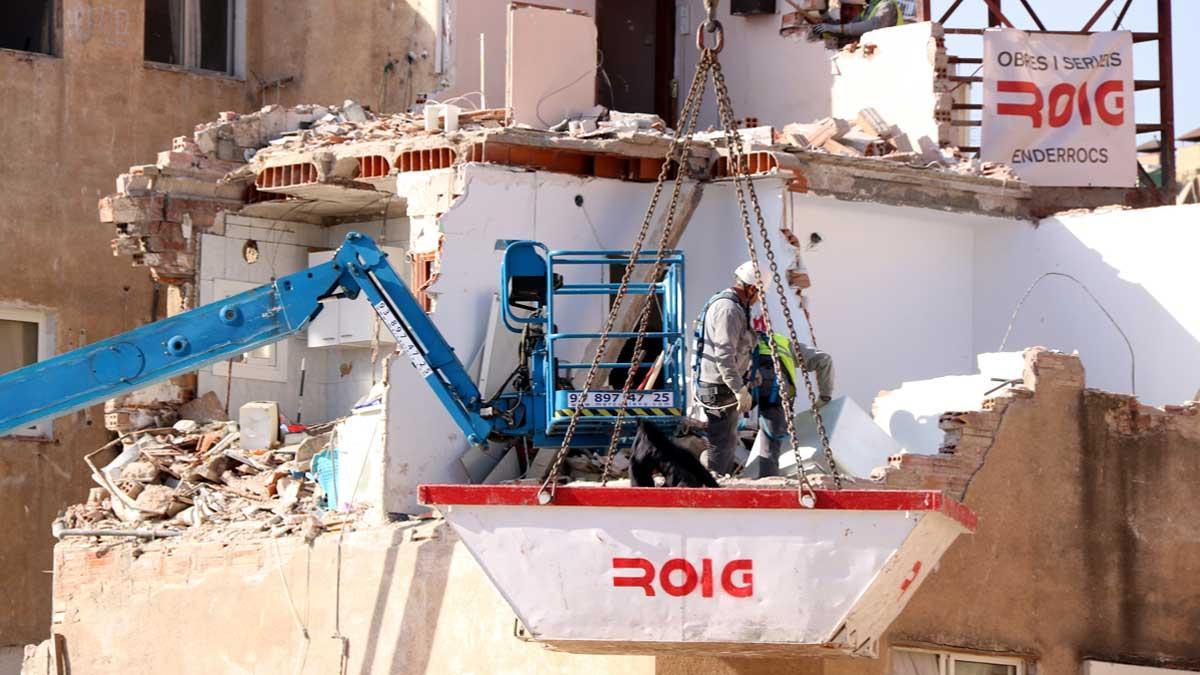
{"x": 1128, "y": 344}
{"x": 537, "y": 111}
{"x": 463, "y": 97}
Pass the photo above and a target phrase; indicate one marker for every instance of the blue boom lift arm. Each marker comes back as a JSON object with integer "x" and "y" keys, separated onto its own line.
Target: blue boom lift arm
{"x": 242, "y": 323}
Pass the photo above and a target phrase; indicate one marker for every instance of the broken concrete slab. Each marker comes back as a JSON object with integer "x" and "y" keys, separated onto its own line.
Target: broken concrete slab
{"x": 859, "y": 446}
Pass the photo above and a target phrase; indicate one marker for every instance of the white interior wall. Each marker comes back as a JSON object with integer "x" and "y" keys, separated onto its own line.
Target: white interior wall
{"x": 468, "y": 20}
{"x": 776, "y": 79}
{"x": 891, "y": 297}
{"x": 898, "y": 80}
{"x": 351, "y": 371}
{"x": 283, "y": 248}
{"x": 551, "y": 65}
{"x": 1139, "y": 264}
{"x": 899, "y": 294}
{"x": 871, "y": 301}
{"x": 423, "y": 443}
{"x": 337, "y": 376}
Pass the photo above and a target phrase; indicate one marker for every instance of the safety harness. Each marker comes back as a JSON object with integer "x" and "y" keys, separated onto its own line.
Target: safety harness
{"x": 698, "y": 341}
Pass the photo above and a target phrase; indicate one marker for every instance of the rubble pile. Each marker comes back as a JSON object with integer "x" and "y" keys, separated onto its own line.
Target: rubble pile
{"x": 198, "y": 473}
{"x": 273, "y": 130}
{"x": 869, "y": 135}
{"x": 239, "y": 137}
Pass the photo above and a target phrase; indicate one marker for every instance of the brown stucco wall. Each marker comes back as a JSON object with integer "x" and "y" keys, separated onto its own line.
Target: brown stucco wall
{"x": 339, "y": 50}
{"x": 69, "y": 124}
{"x": 1086, "y": 545}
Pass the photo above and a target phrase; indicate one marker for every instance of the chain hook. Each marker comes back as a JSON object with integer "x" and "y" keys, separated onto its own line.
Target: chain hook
{"x": 710, "y": 25}
{"x": 808, "y": 496}
{"x": 718, "y": 32}
{"x": 710, "y": 16}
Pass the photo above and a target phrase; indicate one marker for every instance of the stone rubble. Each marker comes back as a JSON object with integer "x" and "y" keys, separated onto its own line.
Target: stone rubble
{"x": 869, "y": 135}
{"x": 195, "y": 475}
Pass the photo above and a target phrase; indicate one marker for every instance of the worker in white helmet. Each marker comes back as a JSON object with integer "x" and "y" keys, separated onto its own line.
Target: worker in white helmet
{"x": 721, "y": 357}
{"x": 857, "y": 17}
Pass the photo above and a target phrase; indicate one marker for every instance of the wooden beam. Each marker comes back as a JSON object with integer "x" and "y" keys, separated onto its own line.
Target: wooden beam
{"x": 950, "y": 11}
{"x": 1033, "y": 15}
{"x": 1096, "y": 17}
{"x": 1121, "y": 15}
{"x": 1166, "y": 100}
{"x": 995, "y": 13}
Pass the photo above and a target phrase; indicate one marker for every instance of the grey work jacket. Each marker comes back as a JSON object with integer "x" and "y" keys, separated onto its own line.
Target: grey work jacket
{"x": 881, "y": 14}
{"x": 729, "y": 343}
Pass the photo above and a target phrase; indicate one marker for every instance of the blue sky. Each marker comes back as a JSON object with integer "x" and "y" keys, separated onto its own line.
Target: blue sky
{"x": 1073, "y": 14}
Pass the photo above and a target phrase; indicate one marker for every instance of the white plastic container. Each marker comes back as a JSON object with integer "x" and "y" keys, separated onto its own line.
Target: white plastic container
{"x": 441, "y": 117}
{"x": 259, "y": 424}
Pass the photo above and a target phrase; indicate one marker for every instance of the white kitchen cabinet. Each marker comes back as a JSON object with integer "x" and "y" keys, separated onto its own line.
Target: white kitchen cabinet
{"x": 350, "y": 323}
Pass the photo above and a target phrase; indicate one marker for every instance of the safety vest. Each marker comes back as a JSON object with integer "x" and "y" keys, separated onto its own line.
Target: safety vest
{"x": 784, "y": 387}
{"x": 784, "y": 347}
{"x": 698, "y": 331}
{"x": 876, "y": 4}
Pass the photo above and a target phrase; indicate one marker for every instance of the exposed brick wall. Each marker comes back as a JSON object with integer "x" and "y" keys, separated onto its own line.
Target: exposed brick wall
{"x": 160, "y": 210}
{"x": 969, "y": 435}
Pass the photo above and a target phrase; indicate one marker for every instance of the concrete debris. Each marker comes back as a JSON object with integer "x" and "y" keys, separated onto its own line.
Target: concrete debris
{"x": 870, "y": 135}
{"x": 197, "y": 475}
{"x": 205, "y": 409}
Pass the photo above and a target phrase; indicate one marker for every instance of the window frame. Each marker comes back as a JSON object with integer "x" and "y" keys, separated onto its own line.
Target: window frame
{"x": 56, "y": 32}
{"x": 947, "y": 659}
{"x": 234, "y": 40}
{"x": 42, "y": 430}
{"x": 424, "y": 273}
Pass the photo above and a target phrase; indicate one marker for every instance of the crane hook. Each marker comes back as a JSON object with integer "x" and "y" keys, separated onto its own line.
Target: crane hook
{"x": 710, "y": 15}
{"x": 710, "y": 25}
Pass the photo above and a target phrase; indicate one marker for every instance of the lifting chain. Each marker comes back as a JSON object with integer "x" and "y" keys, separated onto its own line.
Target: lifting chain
{"x": 678, "y": 152}
{"x": 689, "y": 115}
{"x": 739, "y": 169}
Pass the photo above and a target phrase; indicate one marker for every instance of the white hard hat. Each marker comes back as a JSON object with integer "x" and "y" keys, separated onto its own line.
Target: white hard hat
{"x": 745, "y": 273}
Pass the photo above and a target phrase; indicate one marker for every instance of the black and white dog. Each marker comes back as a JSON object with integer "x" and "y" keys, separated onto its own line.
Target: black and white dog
{"x": 653, "y": 452}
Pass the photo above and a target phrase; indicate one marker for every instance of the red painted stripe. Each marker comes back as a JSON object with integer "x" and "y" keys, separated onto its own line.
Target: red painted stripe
{"x": 698, "y": 498}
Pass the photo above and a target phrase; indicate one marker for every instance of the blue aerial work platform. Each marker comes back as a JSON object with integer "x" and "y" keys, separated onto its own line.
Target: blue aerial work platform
{"x": 537, "y": 406}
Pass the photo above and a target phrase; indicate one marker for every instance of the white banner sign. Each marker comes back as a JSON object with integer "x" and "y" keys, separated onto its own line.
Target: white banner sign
{"x": 1058, "y": 109}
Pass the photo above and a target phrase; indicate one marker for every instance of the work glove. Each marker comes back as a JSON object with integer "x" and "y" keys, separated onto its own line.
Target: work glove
{"x": 744, "y": 400}
{"x": 823, "y": 401}
{"x": 818, "y": 31}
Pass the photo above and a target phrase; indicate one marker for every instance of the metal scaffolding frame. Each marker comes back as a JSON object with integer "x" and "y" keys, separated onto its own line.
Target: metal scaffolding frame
{"x": 1164, "y": 82}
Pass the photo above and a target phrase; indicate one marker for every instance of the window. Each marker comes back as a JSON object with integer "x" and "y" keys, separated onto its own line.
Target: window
{"x": 27, "y": 25}
{"x": 268, "y": 362}
{"x": 25, "y": 338}
{"x": 1106, "y": 668}
{"x": 928, "y": 662}
{"x": 197, "y": 34}
{"x": 423, "y": 265}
